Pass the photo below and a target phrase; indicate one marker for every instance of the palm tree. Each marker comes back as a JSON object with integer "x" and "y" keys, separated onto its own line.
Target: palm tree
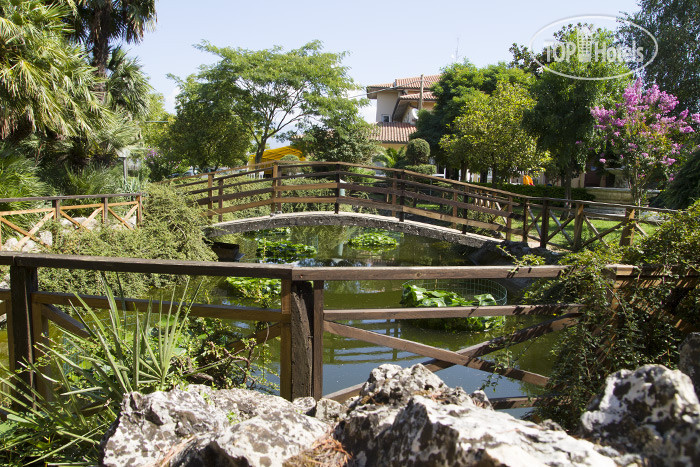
{"x": 127, "y": 87}
{"x": 99, "y": 23}
{"x": 391, "y": 158}
{"x": 45, "y": 83}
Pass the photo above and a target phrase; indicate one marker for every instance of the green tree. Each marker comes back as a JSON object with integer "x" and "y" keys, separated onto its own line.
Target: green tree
{"x": 99, "y": 24}
{"x": 456, "y": 87}
{"x": 279, "y": 94}
{"x": 344, "y": 137}
{"x": 391, "y": 158}
{"x": 418, "y": 151}
{"x": 561, "y": 118}
{"x": 676, "y": 27}
{"x": 488, "y": 134}
{"x": 45, "y": 84}
{"x": 206, "y": 132}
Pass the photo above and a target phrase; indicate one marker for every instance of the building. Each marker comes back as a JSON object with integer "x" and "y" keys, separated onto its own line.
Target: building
{"x": 398, "y": 104}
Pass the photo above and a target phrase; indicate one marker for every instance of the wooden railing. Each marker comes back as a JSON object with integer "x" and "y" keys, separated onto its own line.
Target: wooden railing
{"x": 300, "y": 322}
{"x": 56, "y": 208}
{"x": 545, "y": 222}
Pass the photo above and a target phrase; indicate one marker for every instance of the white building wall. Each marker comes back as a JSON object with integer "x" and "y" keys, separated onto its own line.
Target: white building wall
{"x": 386, "y": 100}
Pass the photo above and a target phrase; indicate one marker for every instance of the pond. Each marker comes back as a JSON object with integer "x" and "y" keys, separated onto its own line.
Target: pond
{"x": 348, "y": 362}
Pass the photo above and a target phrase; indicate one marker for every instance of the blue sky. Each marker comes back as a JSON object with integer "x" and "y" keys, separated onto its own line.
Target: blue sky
{"x": 384, "y": 40}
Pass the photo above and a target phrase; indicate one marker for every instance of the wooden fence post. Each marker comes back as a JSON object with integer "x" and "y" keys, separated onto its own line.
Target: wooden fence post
{"x": 628, "y": 230}
{"x": 578, "y": 226}
{"x": 544, "y": 231}
{"x": 337, "y": 188}
{"x": 465, "y": 211}
{"x": 275, "y": 174}
{"x": 139, "y": 209}
{"x": 105, "y": 209}
{"x": 210, "y": 185}
{"x": 402, "y": 197}
{"x": 526, "y": 216}
{"x": 23, "y": 282}
{"x": 221, "y": 199}
{"x": 302, "y": 320}
{"x": 317, "y": 349}
{"x": 455, "y": 198}
{"x": 394, "y": 189}
{"x": 286, "y": 341}
{"x": 509, "y": 219}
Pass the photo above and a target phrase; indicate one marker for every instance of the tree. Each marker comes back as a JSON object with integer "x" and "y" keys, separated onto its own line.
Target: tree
{"x": 457, "y": 85}
{"x": 676, "y": 27}
{"x": 417, "y": 151}
{"x": 488, "y": 134}
{"x": 100, "y": 23}
{"x": 391, "y": 158}
{"x": 206, "y": 132}
{"x": 643, "y": 137}
{"x": 340, "y": 138}
{"x": 45, "y": 84}
{"x": 280, "y": 94}
{"x": 684, "y": 189}
{"x": 561, "y": 117}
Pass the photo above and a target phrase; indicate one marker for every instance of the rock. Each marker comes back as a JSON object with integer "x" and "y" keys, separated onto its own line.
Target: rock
{"x": 652, "y": 411}
{"x": 46, "y": 237}
{"x": 200, "y": 426}
{"x": 29, "y": 246}
{"x": 10, "y": 244}
{"x": 407, "y": 417}
{"x": 690, "y": 359}
{"x": 326, "y": 410}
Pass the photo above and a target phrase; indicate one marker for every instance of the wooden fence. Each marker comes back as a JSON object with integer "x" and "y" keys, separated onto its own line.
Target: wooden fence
{"x": 547, "y": 222}
{"x": 56, "y": 208}
{"x": 301, "y": 320}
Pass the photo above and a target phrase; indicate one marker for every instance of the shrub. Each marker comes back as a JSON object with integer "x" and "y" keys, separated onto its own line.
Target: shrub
{"x": 685, "y": 188}
{"x": 541, "y": 191}
{"x": 262, "y": 291}
{"x": 425, "y": 169}
{"x": 418, "y": 151}
{"x": 290, "y": 157}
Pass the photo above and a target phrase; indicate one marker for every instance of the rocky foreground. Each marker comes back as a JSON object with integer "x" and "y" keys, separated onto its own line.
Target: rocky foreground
{"x": 406, "y": 417}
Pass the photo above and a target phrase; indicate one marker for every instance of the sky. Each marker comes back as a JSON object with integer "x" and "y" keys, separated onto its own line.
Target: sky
{"x": 384, "y": 40}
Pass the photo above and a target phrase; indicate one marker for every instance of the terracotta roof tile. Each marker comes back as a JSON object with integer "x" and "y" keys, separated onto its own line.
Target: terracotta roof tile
{"x": 394, "y": 132}
{"x": 427, "y": 96}
{"x": 403, "y": 84}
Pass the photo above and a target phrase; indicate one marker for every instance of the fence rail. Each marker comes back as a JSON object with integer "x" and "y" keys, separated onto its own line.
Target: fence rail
{"x": 29, "y": 222}
{"x": 301, "y": 320}
{"x": 547, "y": 222}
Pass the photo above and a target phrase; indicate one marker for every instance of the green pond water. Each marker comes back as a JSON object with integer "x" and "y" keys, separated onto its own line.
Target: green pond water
{"x": 348, "y": 362}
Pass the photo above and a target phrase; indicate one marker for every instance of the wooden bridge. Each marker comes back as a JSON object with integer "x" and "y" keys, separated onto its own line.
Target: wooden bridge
{"x": 242, "y": 196}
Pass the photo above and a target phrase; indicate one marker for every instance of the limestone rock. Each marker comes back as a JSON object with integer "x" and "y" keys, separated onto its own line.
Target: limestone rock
{"x": 652, "y": 411}
{"x": 200, "y": 426}
{"x": 326, "y": 410}
{"x": 409, "y": 417}
{"x": 690, "y": 359}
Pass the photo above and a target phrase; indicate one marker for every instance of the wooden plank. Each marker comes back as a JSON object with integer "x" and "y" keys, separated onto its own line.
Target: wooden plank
{"x": 196, "y": 309}
{"x": 448, "y": 218}
{"x": 517, "y": 402}
{"x": 63, "y": 320}
{"x": 395, "y": 343}
{"x": 514, "y": 373}
{"x": 286, "y": 343}
{"x": 241, "y": 207}
{"x": 124, "y": 222}
{"x": 317, "y": 345}
{"x": 449, "y": 312}
{"x": 310, "y": 199}
{"x": 232, "y": 196}
{"x": 159, "y": 266}
{"x": 35, "y": 229}
{"x": 302, "y": 319}
{"x": 83, "y": 206}
{"x": 25, "y": 211}
{"x": 424, "y": 272}
{"x": 21, "y": 230}
{"x": 602, "y": 234}
{"x": 578, "y": 226}
{"x": 313, "y": 186}
{"x": 23, "y": 283}
{"x": 66, "y": 216}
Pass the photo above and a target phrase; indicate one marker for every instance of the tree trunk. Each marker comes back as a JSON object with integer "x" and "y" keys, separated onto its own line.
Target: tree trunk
{"x": 464, "y": 172}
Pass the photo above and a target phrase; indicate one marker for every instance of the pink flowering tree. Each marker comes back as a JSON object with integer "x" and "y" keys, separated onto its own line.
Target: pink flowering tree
{"x": 643, "y": 137}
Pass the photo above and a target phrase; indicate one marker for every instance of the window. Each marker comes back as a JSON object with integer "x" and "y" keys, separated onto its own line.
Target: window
{"x": 386, "y": 118}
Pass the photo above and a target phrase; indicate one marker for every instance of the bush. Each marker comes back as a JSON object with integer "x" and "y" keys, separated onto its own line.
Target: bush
{"x": 541, "y": 191}
{"x": 685, "y": 188}
{"x": 290, "y": 157}
{"x": 418, "y": 151}
{"x": 425, "y": 169}
{"x": 640, "y": 330}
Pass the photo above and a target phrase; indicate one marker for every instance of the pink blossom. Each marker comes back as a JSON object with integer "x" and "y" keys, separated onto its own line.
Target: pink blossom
{"x": 603, "y": 160}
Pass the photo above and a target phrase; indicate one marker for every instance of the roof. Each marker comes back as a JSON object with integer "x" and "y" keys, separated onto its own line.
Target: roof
{"x": 403, "y": 84}
{"x": 394, "y": 132}
{"x": 277, "y": 154}
{"x": 427, "y": 96}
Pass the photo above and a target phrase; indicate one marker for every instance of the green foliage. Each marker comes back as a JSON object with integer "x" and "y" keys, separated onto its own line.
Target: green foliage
{"x": 426, "y": 169}
{"x": 277, "y": 93}
{"x": 282, "y": 252}
{"x": 171, "y": 229}
{"x": 391, "y": 158}
{"x": 290, "y": 158}
{"x": 373, "y": 241}
{"x": 206, "y": 131}
{"x": 561, "y": 117}
{"x": 414, "y": 296}
{"x": 19, "y": 178}
{"x": 488, "y": 134}
{"x": 418, "y": 151}
{"x": 541, "y": 191}
{"x": 642, "y": 327}
{"x": 676, "y": 27}
{"x": 340, "y": 138}
{"x": 456, "y": 87}
{"x": 685, "y": 188}
{"x": 263, "y": 292}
